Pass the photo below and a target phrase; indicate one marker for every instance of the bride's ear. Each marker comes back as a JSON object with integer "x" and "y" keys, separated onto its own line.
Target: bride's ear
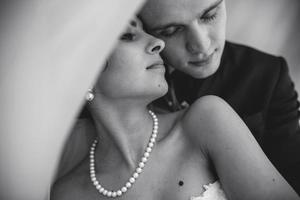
{"x": 106, "y": 64}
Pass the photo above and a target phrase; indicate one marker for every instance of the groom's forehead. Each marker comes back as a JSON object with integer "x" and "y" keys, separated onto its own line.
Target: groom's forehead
{"x": 155, "y": 12}
{"x": 160, "y": 12}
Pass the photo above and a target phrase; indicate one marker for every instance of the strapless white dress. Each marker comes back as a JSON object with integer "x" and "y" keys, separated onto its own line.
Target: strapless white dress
{"x": 213, "y": 191}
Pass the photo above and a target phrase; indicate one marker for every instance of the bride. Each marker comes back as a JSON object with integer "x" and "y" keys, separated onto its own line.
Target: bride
{"x": 136, "y": 154}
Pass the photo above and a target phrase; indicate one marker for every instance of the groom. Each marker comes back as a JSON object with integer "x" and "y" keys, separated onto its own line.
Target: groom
{"x": 257, "y": 85}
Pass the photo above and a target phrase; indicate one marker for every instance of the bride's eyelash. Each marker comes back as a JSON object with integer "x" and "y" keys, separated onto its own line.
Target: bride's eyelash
{"x": 127, "y": 37}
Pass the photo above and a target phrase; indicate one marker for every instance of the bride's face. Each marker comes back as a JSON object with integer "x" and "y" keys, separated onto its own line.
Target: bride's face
{"x": 135, "y": 67}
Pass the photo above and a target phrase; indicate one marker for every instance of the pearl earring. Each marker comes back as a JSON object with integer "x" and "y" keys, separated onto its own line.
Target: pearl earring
{"x": 89, "y": 95}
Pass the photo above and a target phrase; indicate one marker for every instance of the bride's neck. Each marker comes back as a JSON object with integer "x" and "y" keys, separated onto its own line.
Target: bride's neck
{"x": 123, "y": 133}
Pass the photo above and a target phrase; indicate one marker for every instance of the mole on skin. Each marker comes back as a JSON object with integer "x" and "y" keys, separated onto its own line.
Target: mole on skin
{"x": 180, "y": 183}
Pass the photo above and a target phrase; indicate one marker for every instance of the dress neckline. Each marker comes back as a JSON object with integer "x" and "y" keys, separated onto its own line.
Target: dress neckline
{"x": 212, "y": 191}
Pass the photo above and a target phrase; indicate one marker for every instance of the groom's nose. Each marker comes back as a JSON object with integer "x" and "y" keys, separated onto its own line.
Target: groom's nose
{"x": 197, "y": 39}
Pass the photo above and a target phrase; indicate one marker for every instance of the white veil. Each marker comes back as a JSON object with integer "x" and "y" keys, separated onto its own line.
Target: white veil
{"x": 51, "y": 52}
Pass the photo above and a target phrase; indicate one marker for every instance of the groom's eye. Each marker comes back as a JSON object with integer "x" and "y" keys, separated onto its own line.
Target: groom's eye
{"x": 210, "y": 16}
{"x": 170, "y": 31}
{"x": 128, "y": 37}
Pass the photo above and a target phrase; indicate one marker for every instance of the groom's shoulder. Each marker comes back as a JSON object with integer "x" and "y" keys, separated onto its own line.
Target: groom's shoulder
{"x": 242, "y": 57}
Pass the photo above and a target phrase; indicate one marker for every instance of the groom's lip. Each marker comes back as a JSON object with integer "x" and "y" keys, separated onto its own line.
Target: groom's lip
{"x": 203, "y": 61}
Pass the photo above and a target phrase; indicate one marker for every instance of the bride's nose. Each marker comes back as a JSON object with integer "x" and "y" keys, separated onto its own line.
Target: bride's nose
{"x": 155, "y": 46}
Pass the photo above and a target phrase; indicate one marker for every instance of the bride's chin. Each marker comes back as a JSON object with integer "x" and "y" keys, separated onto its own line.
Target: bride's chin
{"x": 162, "y": 89}
{"x": 165, "y": 88}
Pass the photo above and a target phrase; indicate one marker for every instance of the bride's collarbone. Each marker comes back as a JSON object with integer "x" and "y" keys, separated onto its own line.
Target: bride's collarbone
{"x": 175, "y": 170}
{"x": 171, "y": 177}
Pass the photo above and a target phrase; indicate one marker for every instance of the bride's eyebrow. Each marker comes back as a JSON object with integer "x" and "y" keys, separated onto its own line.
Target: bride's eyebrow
{"x": 133, "y": 23}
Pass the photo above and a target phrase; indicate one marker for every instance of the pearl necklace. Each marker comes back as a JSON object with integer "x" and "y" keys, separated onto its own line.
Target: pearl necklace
{"x": 137, "y": 172}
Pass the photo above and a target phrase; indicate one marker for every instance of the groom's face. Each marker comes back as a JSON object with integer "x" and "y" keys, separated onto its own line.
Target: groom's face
{"x": 193, "y": 30}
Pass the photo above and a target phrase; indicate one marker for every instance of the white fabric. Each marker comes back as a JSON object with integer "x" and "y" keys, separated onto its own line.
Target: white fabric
{"x": 51, "y": 53}
{"x": 213, "y": 191}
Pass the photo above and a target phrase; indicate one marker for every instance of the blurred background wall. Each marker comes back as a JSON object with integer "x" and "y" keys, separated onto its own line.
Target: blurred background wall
{"x": 269, "y": 25}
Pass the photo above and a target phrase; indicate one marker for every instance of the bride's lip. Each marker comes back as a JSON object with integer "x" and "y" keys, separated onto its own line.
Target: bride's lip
{"x": 156, "y": 65}
{"x": 202, "y": 62}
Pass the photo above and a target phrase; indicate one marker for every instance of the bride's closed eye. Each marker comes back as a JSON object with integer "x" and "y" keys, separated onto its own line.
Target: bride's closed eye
{"x": 128, "y": 37}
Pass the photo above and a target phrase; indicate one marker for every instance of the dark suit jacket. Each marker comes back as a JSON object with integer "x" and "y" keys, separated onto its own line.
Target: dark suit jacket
{"x": 260, "y": 90}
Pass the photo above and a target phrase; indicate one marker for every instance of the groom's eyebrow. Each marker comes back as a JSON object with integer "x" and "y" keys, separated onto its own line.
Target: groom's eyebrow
{"x": 206, "y": 10}
{"x": 211, "y": 7}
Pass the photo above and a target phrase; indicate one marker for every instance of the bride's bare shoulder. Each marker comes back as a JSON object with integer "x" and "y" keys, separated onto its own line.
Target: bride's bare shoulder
{"x": 207, "y": 109}
{"x": 207, "y": 116}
